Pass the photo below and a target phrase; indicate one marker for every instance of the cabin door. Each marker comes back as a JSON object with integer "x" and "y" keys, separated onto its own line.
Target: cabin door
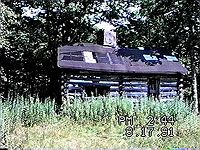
{"x": 154, "y": 88}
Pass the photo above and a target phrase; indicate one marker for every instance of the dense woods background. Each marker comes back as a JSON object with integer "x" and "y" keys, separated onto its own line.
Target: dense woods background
{"x": 28, "y": 44}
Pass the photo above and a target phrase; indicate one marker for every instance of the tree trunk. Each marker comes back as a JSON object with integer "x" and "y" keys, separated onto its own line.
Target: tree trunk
{"x": 195, "y": 92}
{"x": 55, "y": 87}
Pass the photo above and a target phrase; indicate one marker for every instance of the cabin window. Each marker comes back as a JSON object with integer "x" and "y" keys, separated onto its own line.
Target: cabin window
{"x": 97, "y": 90}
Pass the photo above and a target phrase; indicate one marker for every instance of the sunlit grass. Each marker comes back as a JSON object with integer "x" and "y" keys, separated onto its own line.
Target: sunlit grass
{"x": 27, "y": 123}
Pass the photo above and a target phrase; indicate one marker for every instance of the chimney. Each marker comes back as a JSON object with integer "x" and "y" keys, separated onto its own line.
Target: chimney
{"x": 107, "y": 37}
{"x": 110, "y": 38}
{"x": 106, "y": 34}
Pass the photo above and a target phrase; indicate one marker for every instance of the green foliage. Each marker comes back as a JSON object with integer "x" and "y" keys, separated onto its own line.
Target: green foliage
{"x": 27, "y": 111}
{"x": 33, "y": 41}
{"x": 100, "y": 117}
{"x": 102, "y": 109}
{"x": 7, "y": 17}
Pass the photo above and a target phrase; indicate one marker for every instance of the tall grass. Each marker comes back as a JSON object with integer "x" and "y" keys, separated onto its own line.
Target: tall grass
{"x": 30, "y": 112}
{"x": 97, "y": 109}
{"x": 104, "y": 108}
{"x": 26, "y": 112}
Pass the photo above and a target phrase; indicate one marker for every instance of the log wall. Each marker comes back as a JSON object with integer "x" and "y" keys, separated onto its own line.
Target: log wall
{"x": 134, "y": 89}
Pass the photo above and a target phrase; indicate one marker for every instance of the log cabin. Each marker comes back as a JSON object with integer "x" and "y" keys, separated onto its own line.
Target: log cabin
{"x": 111, "y": 70}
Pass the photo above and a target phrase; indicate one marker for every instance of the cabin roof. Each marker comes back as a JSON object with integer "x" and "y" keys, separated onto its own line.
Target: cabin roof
{"x": 98, "y": 58}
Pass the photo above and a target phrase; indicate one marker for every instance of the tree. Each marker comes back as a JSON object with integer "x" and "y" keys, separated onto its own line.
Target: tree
{"x": 56, "y": 23}
{"x": 7, "y": 18}
{"x": 170, "y": 25}
{"x": 175, "y": 25}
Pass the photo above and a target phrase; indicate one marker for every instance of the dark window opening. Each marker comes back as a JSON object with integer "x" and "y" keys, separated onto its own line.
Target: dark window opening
{"x": 97, "y": 90}
{"x": 153, "y": 88}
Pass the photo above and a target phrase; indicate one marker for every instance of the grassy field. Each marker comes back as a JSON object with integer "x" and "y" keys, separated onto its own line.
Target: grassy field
{"x": 94, "y": 124}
